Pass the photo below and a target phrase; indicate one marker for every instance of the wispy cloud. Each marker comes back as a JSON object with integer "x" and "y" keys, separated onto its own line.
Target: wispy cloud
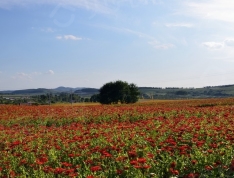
{"x": 23, "y": 76}
{"x": 99, "y": 6}
{"x": 187, "y": 25}
{"x": 59, "y": 37}
{"x": 36, "y": 73}
{"x": 48, "y": 30}
{"x": 219, "y": 45}
{"x": 45, "y": 30}
{"x": 213, "y": 45}
{"x": 51, "y": 72}
{"x": 229, "y": 42}
{"x": 126, "y": 31}
{"x": 152, "y": 40}
{"x": 71, "y": 37}
{"x": 211, "y": 9}
{"x": 68, "y": 37}
{"x": 158, "y": 45}
{"x": 31, "y": 76}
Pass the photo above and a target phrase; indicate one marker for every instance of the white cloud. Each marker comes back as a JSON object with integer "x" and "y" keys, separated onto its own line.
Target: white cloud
{"x": 23, "y": 76}
{"x": 68, "y": 37}
{"x": 211, "y": 9}
{"x": 158, "y": 45}
{"x": 229, "y": 42}
{"x": 126, "y": 31}
{"x": 51, "y": 72}
{"x": 133, "y": 32}
{"x": 153, "y": 42}
{"x": 47, "y": 30}
{"x": 30, "y": 76}
{"x": 219, "y": 45}
{"x": 59, "y": 37}
{"x": 71, "y": 37}
{"x": 36, "y": 73}
{"x": 213, "y": 45}
{"x": 187, "y": 25}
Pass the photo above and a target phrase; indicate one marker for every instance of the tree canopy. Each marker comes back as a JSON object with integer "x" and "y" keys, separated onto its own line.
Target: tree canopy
{"x": 118, "y": 91}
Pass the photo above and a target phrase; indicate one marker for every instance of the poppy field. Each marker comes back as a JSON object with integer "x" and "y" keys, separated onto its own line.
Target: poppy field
{"x": 187, "y": 138}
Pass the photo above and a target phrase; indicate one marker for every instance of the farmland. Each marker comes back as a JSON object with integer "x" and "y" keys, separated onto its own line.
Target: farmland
{"x": 181, "y": 138}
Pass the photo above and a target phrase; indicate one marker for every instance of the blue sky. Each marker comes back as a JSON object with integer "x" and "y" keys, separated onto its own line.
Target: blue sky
{"x": 86, "y": 43}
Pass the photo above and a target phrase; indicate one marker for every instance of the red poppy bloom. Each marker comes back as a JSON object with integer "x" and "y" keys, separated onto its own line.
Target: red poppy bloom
{"x": 59, "y": 170}
{"x": 132, "y": 154}
{"x": 95, "y": 168}
{"x": 146, "y": 166}
{"x": 208, "y": 168}
{"x": 192, "y": 175}
{"x": 41, "y": 160}
{"x": 133, "y": 162}
{"x": 141, "y": 160}
{"x": 119, "y": 171}
{"x": 173, "y": 164}
{"x": 176, "y": 172}
{"x": 90, "y": 177}
{"x": 66, "y": 164}
{"x": 137, "y": 166}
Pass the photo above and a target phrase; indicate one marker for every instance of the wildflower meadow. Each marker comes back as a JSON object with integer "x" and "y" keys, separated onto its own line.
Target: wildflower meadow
{"x": 186, "y": 138}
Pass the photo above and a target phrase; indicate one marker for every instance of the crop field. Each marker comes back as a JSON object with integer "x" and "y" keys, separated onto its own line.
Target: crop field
{"x": 187, "y": 138}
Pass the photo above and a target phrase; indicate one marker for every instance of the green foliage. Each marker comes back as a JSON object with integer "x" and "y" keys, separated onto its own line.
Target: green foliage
{"x": 181, "y": 92}
{"x": 95, "y": 98}
{"x": 118, "y": 91}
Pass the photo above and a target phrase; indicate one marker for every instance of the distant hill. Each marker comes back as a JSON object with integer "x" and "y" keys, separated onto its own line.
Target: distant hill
{"x": 39, "y": 91}
{"x": 66, "y": 89}
{"x": 87, "y": 91}
{"x": 6, "y": 91}
{"x": 30, "y": 91}
{"x": 146, "y": 92}
{"x": 182, "y": 93}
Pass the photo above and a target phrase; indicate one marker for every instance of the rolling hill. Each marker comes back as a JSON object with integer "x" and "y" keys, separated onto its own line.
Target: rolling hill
{"x": 146, "y": 92}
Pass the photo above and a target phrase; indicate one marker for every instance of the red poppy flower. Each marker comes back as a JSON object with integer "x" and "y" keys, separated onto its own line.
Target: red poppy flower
{"x": 95, "y": 168}
{"x": 173, "y": 164}
{"x": 141, "y": 160}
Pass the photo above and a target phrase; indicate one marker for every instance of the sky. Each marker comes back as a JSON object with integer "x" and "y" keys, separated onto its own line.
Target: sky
{"x": 87, "y": 43}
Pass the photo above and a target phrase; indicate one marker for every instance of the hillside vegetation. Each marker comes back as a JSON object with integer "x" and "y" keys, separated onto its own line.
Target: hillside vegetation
{"x": 67, "y": 94}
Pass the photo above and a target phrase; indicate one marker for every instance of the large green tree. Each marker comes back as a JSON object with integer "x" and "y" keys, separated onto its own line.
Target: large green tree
{"x": 118, "y": 91}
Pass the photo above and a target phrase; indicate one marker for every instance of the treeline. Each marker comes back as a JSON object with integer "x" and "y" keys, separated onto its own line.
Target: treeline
{"x": 220, "y": 86}
{"x": 150, "y": 88}
{"x": 44, "y": 99}
{"x": 62, "y": 97}
{"x": 87, "y": 90}
{"x": 160, "y": 88}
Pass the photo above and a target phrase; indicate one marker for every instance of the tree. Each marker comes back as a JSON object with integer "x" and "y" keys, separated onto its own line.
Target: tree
{"x": 95, "y": 98}
{"x": 86, "y": 100}
{"x": 118, "y": 91}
